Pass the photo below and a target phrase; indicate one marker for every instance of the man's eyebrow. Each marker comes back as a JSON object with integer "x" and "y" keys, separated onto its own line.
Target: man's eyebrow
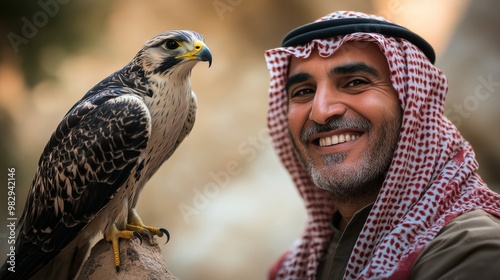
{"x": 295, "y": 79}
{"x": 348, "y": 68}
{"x": 355, "y": 67}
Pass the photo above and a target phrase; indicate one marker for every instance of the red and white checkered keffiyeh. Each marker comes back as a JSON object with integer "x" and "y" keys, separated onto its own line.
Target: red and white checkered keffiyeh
{"x": 432, "y": 178}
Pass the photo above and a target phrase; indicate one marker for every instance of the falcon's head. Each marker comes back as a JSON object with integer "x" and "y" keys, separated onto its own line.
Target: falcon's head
{"x": 178, "y": 49}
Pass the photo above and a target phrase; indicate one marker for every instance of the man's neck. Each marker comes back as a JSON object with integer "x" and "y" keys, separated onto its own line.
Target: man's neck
{"x": 348, "y": 209}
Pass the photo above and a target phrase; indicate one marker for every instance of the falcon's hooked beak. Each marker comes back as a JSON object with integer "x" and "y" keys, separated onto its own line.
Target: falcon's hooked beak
{"x": 200, "y": 52}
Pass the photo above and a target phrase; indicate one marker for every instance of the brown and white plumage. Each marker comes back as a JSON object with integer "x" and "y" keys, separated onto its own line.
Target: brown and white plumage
{"x": 103, "y": 152}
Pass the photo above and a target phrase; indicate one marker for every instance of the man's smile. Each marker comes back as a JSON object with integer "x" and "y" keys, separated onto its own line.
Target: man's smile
{"x": 337, "y": 139}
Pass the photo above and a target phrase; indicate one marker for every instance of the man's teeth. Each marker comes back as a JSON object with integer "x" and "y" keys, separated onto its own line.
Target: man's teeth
{"x": 336, "y": 139}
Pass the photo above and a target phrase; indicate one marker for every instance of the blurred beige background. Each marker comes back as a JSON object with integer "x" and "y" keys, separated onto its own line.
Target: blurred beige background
{"x": 225, "y": 198}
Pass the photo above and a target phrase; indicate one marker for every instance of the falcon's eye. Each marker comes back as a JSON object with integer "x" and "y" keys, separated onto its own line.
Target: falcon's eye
{"x": 171, "y": 44}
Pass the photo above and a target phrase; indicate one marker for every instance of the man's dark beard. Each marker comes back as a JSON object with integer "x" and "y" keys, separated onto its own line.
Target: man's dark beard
{"x": 367, "y": 178}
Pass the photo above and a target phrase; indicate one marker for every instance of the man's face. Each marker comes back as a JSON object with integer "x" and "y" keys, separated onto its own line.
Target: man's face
{"x": 344, "y": 118}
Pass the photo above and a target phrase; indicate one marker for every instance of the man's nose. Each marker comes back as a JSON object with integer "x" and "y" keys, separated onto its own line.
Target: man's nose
{"x": 326, "y": 104}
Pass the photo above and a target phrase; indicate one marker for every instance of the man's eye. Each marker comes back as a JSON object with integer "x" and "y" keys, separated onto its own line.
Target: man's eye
{"x": 171, "y": 44}
{"x": 356, "y": 82}
{"x": 301, "y": 92}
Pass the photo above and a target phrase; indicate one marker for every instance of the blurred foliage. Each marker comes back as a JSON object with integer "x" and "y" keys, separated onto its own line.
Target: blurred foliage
{"x": 28, "y": 28}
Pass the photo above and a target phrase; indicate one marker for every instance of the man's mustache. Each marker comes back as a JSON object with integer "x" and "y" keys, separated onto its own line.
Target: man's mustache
{"x": 334, "y": 124}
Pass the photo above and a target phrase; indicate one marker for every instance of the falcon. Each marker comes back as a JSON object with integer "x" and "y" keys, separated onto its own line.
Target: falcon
{"x": 102, "y": 153}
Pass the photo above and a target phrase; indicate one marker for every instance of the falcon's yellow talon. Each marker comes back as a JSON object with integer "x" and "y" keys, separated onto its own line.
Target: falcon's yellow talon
{"x": 162, "y": 230}
{"x": 114, "y": 236}
{"x": 140, "y": 230}
{"x": 135, "y": 224}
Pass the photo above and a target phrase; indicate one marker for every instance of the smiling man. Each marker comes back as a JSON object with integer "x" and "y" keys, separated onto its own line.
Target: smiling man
{"x": 389, "y": 184}
{"x": 344, "y": 119}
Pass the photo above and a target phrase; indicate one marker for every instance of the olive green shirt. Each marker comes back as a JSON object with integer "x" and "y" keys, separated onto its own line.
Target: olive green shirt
{"x": 466, "y": 248}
